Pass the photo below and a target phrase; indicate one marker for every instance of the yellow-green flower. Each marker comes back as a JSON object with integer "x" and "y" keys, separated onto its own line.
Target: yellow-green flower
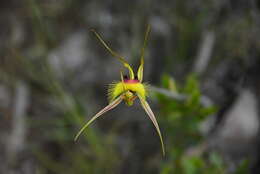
{"x": 127, "y": 89}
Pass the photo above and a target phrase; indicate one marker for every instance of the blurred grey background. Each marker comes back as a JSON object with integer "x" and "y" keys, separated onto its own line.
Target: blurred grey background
{"x": 54, "y": 76}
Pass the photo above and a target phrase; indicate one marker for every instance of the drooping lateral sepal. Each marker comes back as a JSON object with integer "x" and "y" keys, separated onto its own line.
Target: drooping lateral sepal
{"x": 150, "y": 113}
{"x": 103, "y": 111}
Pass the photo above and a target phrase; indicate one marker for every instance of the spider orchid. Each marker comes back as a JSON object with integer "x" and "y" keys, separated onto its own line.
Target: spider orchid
{"x": 128, "y": 89}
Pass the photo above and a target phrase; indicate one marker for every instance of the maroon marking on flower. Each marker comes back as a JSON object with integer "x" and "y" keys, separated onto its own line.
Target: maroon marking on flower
{"x": 131, "y": 81}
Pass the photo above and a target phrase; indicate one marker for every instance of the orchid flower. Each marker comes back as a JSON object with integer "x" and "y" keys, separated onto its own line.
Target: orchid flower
{"x": 128, "y": 89}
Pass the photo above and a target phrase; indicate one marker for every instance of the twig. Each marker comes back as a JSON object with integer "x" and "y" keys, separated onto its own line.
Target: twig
{"x": 168, "y": 93}
{"x": 17, "y": 135}
{"x": 204, "y": 52}
{"x": 204, "y": 100}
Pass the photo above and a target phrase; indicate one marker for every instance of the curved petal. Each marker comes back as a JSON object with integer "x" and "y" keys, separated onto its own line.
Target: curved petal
{"x": 140, "y": 70}
{"x": 150, "y": 113}
{"x": 104, "y": 110}
{"x": 115, "y": 54}
{"x": 141, "y": 67}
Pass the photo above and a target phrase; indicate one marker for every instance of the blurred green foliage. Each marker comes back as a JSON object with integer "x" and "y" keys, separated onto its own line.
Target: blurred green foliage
{"x": 95, "y": 153}
{"x": 181, "y": 121}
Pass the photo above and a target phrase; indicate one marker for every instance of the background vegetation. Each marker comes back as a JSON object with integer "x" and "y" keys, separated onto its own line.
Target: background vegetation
{"x": 202, "y": 59}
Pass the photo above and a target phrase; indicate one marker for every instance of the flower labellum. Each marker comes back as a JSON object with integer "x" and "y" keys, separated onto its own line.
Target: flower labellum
{"x": 128, "y": 89}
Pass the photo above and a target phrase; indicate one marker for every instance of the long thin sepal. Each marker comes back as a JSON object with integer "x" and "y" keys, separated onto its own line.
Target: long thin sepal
{"x": 103, "y": 111}
{"x": 150, "y": 113}
{"x": 115, "y": 54}
{"x": 141, "y": 67}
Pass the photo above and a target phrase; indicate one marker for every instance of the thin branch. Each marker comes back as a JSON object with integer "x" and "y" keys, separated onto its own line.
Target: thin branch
{"x": 204, "y": 53}
{"x": 17, "y": 136}
{"x": 204, "y": 100}
{"x": 168, "y": 93}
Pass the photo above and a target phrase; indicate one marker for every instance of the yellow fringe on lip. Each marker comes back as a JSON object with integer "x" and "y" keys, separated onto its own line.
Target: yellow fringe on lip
{"x": 117, "y": 88}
